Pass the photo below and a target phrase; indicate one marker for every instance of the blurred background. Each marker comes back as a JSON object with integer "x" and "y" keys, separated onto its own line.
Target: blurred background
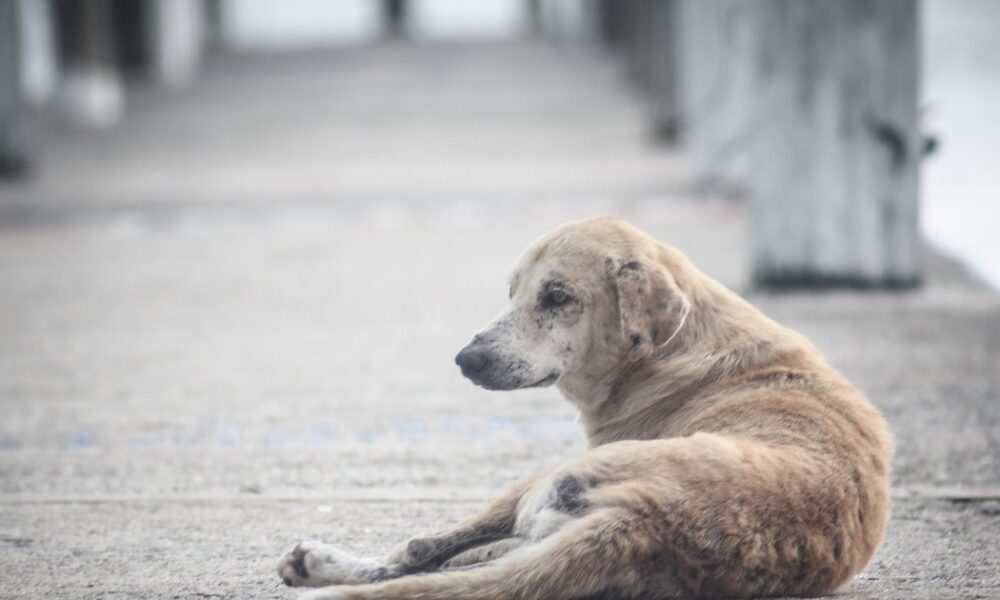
{"x": 242, "y": 240}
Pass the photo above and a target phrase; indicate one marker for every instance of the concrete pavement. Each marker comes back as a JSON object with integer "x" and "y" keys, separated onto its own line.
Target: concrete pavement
{"x": 228, "y": 325}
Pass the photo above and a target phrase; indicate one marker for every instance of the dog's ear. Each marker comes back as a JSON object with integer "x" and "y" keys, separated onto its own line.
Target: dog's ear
{"x": 651, "y": 307}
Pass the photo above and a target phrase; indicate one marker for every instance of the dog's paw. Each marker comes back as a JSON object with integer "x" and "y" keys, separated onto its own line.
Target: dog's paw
{"x": 293, "y": 569}
{"x": 419, "y": 552}
{"x": 315, "y": 564}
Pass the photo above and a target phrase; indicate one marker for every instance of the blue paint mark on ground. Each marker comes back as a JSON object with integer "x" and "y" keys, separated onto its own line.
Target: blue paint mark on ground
{"x": 77, "y": 440}
{"x": 412, "y": 429}
{"x": 454, "y": 425}
{"x": 366, "y": 435}
{"x": 499, "y": 423}
{"x": 146, "y": 441}
{"x": 196, "y": 436}
{"x": 276, "y": 437}
{"x": 323, "y": 433}
{"x": 8, "y": 445}
{"x": 230, "y": 436}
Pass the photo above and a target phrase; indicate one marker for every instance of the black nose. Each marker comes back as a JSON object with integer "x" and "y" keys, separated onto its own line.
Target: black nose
{"x": 472, "y": 359}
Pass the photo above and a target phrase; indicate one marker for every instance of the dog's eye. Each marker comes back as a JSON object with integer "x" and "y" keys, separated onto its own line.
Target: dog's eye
{"x": 555, "y": 298}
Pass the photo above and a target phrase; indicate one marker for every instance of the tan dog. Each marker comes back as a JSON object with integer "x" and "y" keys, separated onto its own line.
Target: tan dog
{"x": 728, "y": 459}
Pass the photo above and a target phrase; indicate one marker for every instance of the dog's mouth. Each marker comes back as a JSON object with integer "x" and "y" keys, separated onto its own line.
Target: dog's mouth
{"x": 544, "y": 381}
{"x": 510, "y": 385}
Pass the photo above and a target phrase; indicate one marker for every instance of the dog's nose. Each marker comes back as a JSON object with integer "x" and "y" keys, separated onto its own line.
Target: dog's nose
{"x": 472, "y": 359}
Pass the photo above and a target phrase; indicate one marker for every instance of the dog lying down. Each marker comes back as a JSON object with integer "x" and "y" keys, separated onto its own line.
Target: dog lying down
{"x": 727, "y": 459}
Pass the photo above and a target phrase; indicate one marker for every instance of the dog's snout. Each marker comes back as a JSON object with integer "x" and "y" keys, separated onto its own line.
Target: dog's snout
{"x": 472, "y": 359}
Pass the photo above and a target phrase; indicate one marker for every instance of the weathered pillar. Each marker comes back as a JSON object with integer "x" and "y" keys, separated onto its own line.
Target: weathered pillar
{"x": 647, "y": 33}
{"x": 14, "y": 152}
{"x": 91, "y": 91}
{"x": 612, "y": 15}
{"x": 716, "y": 80}
{"x": 176, "y": 39}
{"x": 394, "y": 17}
{"x": 38, "y": 59}
{"x": 566, "y": 21}
{"x": 640, "y": 32}
{"x": 662, "y": 76}
{"x": 836, "y": 154}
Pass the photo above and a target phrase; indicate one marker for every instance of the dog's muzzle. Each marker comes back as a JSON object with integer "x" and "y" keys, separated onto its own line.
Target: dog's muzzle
{"x": 486, "y": 368}
{"x": 474, "y": 360}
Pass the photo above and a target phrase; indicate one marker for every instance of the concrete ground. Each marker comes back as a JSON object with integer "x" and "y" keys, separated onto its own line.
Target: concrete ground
{"x": 228, "y": 324}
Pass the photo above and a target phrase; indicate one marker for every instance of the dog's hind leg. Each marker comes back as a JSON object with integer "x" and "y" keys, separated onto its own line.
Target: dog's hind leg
{"x": 604, "y": 553}
{"x": 484, "y": 553}
{"x": 315, "y": 564}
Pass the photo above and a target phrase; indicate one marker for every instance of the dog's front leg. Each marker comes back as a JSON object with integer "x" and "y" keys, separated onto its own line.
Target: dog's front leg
{"x": 315, "y": 564}
{"x": 429, "y": 552}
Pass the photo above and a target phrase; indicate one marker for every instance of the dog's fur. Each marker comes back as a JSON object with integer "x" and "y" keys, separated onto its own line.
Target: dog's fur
{"x": 728, "y": 459}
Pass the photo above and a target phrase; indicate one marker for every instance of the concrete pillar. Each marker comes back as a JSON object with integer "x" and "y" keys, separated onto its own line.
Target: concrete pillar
{"x": 176, "y": 40}
{"x": 639, "y": 32}
{"x": 836, "y": 152}
{"x": 716, "y": 76}
{"x": 612, "y": 18}
{"x": 90, "y": 92}
{"x": 568, "y": 21}
{"x": 40, "y": 71}
{"x": 662, "y": 75}
{"x": 14, "y": 151}
{"x": 394, "y": 17}
{"x": 646, "y": 33}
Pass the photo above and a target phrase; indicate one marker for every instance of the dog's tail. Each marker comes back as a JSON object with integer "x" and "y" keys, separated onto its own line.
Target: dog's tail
{"x": 590, "y": 558}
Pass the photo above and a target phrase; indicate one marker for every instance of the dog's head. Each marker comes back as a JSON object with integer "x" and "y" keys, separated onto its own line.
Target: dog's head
{"x": 583, "y": 299}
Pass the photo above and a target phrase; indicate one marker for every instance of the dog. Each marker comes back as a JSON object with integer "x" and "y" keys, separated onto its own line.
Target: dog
{"x": 727, "y": 458}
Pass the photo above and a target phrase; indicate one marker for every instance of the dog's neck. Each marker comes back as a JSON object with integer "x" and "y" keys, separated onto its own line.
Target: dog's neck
{"x": 639, "y": 399}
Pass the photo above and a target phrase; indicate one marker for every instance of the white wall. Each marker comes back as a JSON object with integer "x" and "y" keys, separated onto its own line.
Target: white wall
{"x": 278, "y": 24}
{"x": 467, "y": 19}
{"x": 961, "y": 182}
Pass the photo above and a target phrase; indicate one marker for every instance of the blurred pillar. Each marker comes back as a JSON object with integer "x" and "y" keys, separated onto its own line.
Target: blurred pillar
{"x": 213, "y": 37}
{"x": 639, "y": 31}
{"x": 39, "y": 68}
{"x": 647, "y": 33}
{"x": 571, "y": 21}
{"x": 612, "y": 16}
{"x": 394, "y": 17}
{"x": 662, "y": 74}
{"x": 132, "y": 24}
{"x": 716, "y": 73}
{"x": 535, "y": 25}
{"x": 91, "y": 91}
{"x": 176, "y": 38}
{"x": 14, "y": 152}
{"x": 836, "y": 160}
